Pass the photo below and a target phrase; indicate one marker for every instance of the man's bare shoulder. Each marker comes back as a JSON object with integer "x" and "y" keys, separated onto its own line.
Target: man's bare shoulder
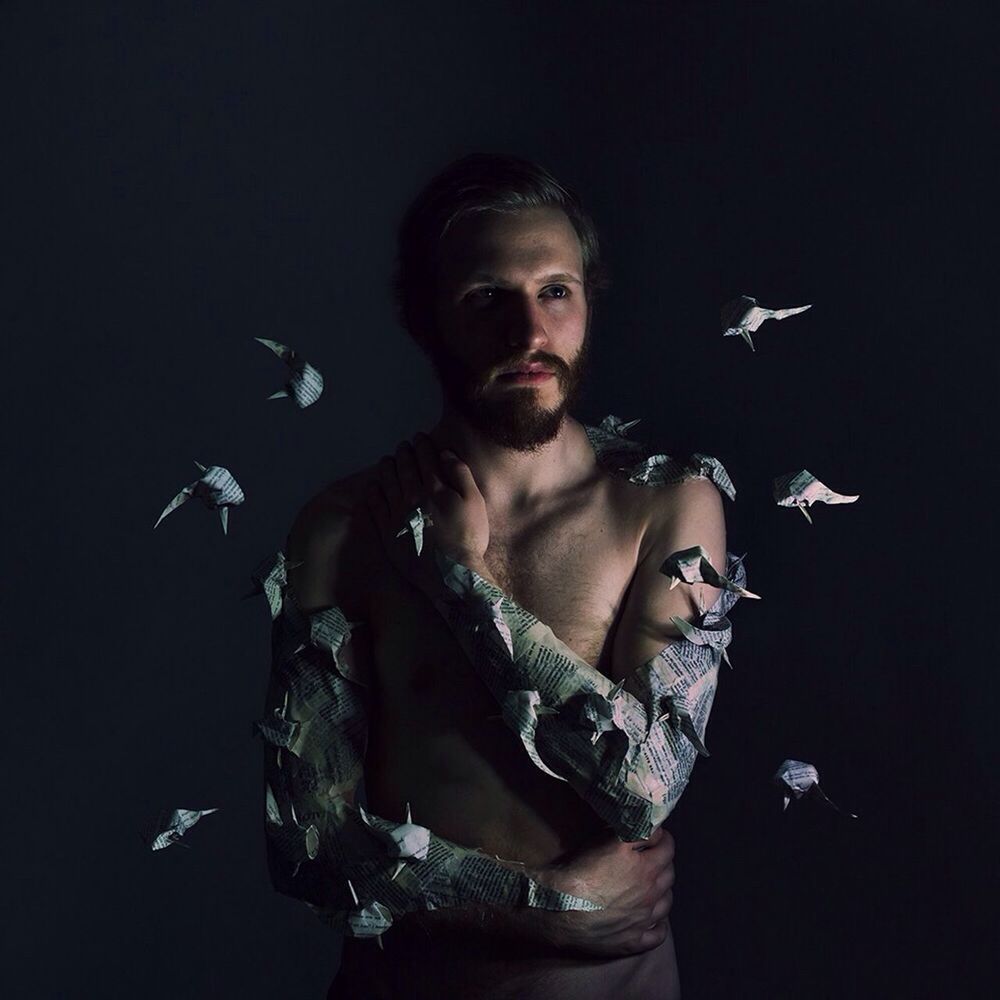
{"x": 335, "y": 500}
{"x": 680, "y": 510}
{"x": 333, "y": 538}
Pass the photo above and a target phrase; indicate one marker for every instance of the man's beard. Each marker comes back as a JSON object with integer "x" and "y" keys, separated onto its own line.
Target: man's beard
{"x": 512, "y": 418}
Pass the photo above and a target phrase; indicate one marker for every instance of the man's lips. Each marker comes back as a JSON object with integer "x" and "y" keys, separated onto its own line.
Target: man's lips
{"x": 527, "y": 370}
{"x": 526, "y": 378}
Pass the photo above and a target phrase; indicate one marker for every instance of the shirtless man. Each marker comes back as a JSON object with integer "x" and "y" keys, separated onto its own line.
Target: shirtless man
{"x": 515, "y": 493}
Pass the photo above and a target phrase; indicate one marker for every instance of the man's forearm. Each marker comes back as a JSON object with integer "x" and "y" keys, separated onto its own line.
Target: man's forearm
{"x": 482, "y": 926}
{"x": 487, "y": 925}
{"x": 347, "y": 863}
{"x": 627, "y": 753}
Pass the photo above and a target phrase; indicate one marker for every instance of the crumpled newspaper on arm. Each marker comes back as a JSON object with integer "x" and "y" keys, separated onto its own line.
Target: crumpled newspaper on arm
{"x": 358, "y": 871}
{"x": 628, "y": 748}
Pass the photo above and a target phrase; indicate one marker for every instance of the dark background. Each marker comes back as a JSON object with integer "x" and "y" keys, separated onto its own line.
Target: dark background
{"x": 182, "y": 177}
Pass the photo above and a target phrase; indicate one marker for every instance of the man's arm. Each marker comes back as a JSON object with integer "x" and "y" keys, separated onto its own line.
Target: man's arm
{"x": 627, "y": 751}
{"x": 633, "y": 882}
{"x": 358, "y": 870}
{"x": 686, "y": 514}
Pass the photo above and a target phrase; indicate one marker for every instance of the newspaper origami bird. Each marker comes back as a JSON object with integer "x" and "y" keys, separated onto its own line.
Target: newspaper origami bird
{"x": 600, "y": 713}
{"x": 279, "y": 730}
{"x": 403, "y": 840}
{"x": 181, "y": 820}
{"x": 743, "y": 316}
{"x": 797, "y": 778}
{"x": 802, "y": 489}
{"x": 609, "y": 437}
{"x": 372, "y": 920}
{"x": 305, "y": 383}
{"x": 216, "y": 489}
{"x": 271, "y": 807}
{"x": 492, "y": 617}
{"x": 415, "y": 526}
{"x": 693, "y": 566}
{"x": 270, "y": 577}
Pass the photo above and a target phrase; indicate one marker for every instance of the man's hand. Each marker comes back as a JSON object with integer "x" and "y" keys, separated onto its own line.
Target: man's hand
{"x": 632, "y": 880}
{"x": 445, "y": 490}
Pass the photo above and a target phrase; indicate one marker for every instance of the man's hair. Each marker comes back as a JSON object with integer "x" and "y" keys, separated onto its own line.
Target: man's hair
{"x": 480, "y": 182}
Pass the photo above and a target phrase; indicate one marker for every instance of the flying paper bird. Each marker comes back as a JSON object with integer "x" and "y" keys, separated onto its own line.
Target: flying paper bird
{"x": 305, "y": 383}
{"x": 743, "y": 316}
{"x": 802, "y": 489}
{"x": 693, "y": 566}
{"x": 181, "y": 820}
{"x": 216, "y": 489}
{"x": 797, "y": 778}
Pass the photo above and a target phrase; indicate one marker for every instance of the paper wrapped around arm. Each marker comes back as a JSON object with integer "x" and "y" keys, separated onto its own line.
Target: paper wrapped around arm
{"x": 627, "y": 749}
{"x": 627, "y": 753}
{"x": 357, "y": 870}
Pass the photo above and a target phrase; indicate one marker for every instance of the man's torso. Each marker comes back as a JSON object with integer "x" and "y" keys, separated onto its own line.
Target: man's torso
{"x": 432, "y": 741}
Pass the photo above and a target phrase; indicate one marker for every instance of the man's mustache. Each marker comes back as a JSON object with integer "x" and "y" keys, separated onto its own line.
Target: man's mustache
{"x": 557, "y": 365}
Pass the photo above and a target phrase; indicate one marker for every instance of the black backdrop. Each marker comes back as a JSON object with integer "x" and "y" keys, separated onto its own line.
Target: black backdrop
{"x": 182, "y": 177}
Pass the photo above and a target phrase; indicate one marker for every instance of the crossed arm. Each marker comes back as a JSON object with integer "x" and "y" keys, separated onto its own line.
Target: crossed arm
{"x": 632, "y": 760}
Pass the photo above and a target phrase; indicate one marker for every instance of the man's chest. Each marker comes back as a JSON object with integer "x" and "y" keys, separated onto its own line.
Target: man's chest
{"x": 572, "y": 573}
{"x": 571, "y": 569}
{"x": 435, "y": 726}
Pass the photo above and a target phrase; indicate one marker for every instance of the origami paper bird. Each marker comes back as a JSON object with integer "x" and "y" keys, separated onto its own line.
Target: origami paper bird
{"x": 216, "y": 488}
{"x": 802, "y": 489}
{"x": 305, "y": 383}
{"x": 181, "y": 820}
{"x": 797, "y": 778}
{"x": 743, "y": 316}
{"x": 693, "y": 566}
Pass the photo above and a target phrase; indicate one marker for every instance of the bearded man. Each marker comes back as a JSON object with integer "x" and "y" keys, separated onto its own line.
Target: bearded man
{"x": 498, "y": 272}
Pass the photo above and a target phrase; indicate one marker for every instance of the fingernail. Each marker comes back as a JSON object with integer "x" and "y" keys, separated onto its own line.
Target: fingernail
{"x": 448, "y": 453}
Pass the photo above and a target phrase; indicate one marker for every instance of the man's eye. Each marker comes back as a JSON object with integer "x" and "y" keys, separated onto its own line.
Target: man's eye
{"x": 487, "y": 293}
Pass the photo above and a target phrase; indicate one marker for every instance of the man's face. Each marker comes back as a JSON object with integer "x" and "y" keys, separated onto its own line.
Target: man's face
{"x": 510, "y": 293}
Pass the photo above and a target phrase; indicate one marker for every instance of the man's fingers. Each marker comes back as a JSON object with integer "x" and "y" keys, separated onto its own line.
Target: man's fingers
{"x": 654, "y": 838}
{"x": 662, "y": 906}
{"x": 458, "y": 475}
{"x": 655, "y": 936}
{"x": 408, "y": 474}
{"x": 659, "y": 856}
{"x": 665, "y": 879}
{"x": 667, "y": 843}
{"x": 427, "y": 463}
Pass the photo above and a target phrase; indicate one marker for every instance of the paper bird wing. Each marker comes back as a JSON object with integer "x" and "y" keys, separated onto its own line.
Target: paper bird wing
{"x": 182, "y": 497}
{"x": 793, "y": 311}
{"x": 754, "y": 317}
{"x": 284, "y": 352}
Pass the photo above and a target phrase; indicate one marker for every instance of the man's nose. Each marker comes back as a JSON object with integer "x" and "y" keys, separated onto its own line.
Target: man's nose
{"x": 526, "y": 325}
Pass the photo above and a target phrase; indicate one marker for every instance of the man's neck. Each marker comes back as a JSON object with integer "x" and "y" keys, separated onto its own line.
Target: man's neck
{"x": 514, "y": 482}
